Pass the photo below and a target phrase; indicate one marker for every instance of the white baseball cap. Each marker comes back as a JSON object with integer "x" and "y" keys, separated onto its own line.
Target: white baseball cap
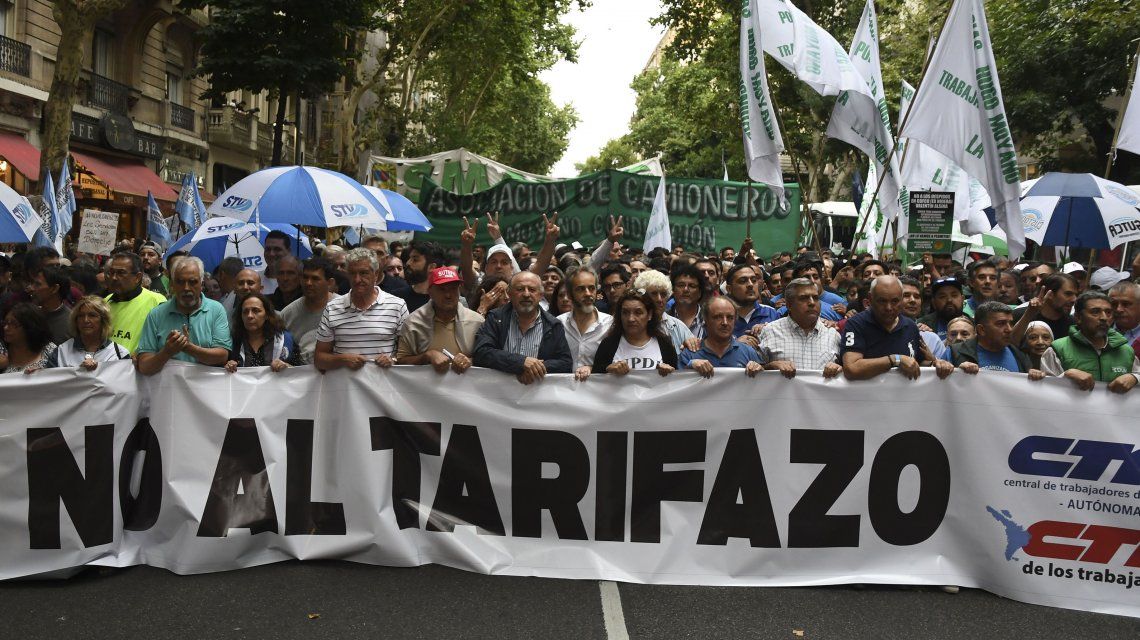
{"x": 1106, "y": 278}
{"x": 1073, "y": 267}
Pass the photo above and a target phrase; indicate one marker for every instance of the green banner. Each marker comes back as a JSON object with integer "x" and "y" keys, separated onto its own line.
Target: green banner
{"x": 704, "y": 215}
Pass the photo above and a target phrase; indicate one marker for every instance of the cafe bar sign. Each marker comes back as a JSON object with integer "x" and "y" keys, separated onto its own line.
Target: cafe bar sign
{"x": 115, "y": 131}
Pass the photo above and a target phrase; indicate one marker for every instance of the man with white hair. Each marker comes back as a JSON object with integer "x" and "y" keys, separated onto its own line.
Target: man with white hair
{"x": 522, "y": 338}
{"x": 188, "y": 327}
{"x": 362, "y": 325}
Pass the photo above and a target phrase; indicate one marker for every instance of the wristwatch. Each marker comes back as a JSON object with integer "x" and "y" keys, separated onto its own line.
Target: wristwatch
{"x": 896, "y": 360}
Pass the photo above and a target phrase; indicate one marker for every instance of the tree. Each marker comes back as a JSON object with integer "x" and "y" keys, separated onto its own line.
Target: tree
{"x": 461, "y": 73}
{"x": 293, "y": 48}
{"x": 76, "y": 20}
{"x": 616, "y": 153}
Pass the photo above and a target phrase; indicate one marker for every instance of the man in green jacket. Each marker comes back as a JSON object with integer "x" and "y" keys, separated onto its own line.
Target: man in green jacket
{"x": 1093, "y": 351}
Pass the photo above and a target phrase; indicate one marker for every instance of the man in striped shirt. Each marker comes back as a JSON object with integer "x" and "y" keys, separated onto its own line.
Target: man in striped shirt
{"x": 362, "y": 325}
{"x": 523, "y": 338}
{"x": 800, "y": 339}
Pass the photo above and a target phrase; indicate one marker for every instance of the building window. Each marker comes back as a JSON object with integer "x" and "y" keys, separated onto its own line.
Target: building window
{"x": 102, "y": 50}
{"x": 5, "y": 9}
{"x": 174, "y": 87}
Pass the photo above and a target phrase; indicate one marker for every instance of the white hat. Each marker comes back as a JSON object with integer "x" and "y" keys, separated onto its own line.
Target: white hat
{"x": 1073, "y": 267}
{"x": 1019, "y": 267}
{"x": 1106, "y": 278}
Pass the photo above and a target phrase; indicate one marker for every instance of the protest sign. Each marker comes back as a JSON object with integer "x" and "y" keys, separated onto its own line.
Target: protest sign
{"x": 931, "y": 221}
{"x": 98, "y": 232}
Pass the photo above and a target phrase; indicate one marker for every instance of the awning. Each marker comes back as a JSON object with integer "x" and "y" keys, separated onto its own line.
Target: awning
{"x": 126, "y": 176}
{"x": 20, "y": 154}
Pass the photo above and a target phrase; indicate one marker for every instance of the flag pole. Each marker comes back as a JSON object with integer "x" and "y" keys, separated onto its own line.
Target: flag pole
{"x": 805, "y": 209}
{"x": 902, "y": 125}
{"x": 1120, "y": 113}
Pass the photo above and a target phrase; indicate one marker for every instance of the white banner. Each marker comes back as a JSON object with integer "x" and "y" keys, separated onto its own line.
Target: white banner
{"x": 762, "y": 140}
{"x": 862, "y": 121}
{"x": 97, "y": 232}
{"x": 1026, "y": 489}
{"x": 959, "y": 112}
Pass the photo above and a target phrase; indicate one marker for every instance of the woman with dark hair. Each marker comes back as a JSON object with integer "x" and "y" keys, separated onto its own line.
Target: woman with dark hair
{"x": 560, "y": 300}
{"x": 636, "y": 341}
{"x": 28, "y": 338}
{"x": 489, "y": 295}
{"x": 691, "y": 291}
{"x": 260, "y": 338}
{"x": 91, "y": 342}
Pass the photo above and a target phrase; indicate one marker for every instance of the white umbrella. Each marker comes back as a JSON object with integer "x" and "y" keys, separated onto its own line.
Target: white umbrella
{"x": 306, "y": 196}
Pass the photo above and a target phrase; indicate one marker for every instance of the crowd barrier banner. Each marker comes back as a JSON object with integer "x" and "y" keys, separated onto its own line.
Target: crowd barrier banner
{"x": 1030, "y": 490}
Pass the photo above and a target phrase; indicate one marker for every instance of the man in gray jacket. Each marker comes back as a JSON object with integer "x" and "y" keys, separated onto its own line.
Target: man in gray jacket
{"x": 442, "y": 332}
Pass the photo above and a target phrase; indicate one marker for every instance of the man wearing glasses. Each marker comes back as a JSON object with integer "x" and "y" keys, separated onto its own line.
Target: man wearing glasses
{"x": 129, "y": 301}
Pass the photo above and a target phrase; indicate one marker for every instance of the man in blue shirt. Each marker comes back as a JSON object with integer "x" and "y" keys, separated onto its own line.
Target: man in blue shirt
{"x": 881, "y": 338}
{"x": 188, "y": 327}
{"x": 751, "y": 316}
{"x": 991, "y": 349}
{"x": 831, "y": 306}
{"x": 983, "y": 285}
{"x": 719, "y": 349}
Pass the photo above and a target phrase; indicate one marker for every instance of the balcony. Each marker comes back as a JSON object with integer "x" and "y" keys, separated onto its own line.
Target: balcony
{"x": 242, "y": 131}
{"x": 105, "y": 93}
{"x": 182, "y": 117}
{"x": 15, "y": 57}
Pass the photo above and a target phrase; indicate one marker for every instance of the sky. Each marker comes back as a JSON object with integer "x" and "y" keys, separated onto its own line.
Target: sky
{"x": 616, "y": 42}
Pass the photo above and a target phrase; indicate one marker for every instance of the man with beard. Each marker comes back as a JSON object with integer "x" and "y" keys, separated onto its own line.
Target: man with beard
{"x": 151, "y": 255}
{"x": 442, "y": 332}
{"x": 522, "y": 338}
{"x": 1093, "y": 351}
{"x": 585, "y": 326}
{"x": 800, "y": 339}
{"x": 983, "y": 285}
{"x": 1052, "y": 305}
{"x": 188, "y": 327}
{"x": 420, "y": 259}
{"x": 946, "y": 304}
{"x": 751, "y": 316}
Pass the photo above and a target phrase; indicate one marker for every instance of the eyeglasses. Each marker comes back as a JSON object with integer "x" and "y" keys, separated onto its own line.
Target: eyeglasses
{"x": 614, "y": 286}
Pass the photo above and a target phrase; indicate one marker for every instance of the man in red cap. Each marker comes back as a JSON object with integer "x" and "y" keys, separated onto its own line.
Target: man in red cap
{"x": 442, "y": 332}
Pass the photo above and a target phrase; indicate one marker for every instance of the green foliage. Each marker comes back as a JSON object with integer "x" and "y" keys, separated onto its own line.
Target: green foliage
{"x": 471, "y": 81}
{"x": 616, "y": 153}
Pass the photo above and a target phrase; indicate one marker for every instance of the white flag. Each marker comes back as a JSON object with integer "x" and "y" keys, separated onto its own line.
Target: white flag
{"x": 862, "y": 120}
{"x": 927, "y": 170}
{"x": 959, "y": 112}
{"x": 762, "y": 140}
{"x": 805, "y": 49}
{"x": 657, "y": 233}
{"x": 1129, "y": 136}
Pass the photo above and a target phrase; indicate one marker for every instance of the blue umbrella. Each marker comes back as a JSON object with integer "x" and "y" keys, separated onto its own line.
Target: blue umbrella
{"x": 1079, "y": 210}
{"x": 220, "y": 238}
{"x": 402, "y": 214}
{"x": 306, "y": 196}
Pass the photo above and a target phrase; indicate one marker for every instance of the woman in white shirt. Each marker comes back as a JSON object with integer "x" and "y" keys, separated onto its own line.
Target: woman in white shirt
{"x": 636, "y": 340}
{"x": 91, "y": 343}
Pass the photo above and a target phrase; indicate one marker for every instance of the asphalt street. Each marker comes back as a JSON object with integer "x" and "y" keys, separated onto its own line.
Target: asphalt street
{"x": 344, "y": 600}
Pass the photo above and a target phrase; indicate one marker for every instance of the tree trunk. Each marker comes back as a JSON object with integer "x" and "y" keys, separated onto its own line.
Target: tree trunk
{"x": 75, "y": 25}
{"x": 278, "y": 127}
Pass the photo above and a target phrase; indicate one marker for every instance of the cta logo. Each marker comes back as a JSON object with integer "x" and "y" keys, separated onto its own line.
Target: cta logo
{"x": 348, "y": 210}
{"x": 1077, "y": 459}
{"x": 1125, "y": 227}
{"x": 218, "y": 228}
{"x": 23, "y": 213}
{"x": 1032, "y": 220}
{"x": 1124, "y": 195}
{"x": 237, "y": 203}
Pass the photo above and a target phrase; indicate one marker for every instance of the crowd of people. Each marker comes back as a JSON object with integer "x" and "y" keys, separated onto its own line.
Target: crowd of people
{"x": 563, "y": 309}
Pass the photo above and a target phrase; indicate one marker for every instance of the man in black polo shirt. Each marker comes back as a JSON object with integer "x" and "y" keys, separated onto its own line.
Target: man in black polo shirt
{"x": 881, "y": 338}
